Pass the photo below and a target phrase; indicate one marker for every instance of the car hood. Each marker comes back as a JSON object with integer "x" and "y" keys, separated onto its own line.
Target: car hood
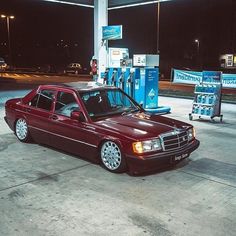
{"x": 141, "y": 126}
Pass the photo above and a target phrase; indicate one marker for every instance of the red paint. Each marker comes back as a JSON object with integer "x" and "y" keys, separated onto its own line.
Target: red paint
{"x": 85, "y": 135}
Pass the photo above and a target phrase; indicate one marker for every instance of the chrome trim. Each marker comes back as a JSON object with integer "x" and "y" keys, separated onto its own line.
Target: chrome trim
{"x": 61, "y": 136}
{"x": 178, "y": 138}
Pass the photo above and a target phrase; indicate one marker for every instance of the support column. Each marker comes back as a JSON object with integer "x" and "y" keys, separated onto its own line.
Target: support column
{"x": 100, "y": 47}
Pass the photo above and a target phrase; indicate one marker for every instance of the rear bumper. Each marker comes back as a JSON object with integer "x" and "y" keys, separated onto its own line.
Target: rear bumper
{"x": 157, "y": 161}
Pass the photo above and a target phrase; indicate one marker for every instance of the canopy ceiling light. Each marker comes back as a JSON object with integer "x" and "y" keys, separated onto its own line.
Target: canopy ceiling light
{"x": 112, "y": 4}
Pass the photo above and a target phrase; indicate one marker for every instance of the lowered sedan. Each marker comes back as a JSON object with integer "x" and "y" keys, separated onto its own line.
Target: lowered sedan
{"x": 100, "y": 123}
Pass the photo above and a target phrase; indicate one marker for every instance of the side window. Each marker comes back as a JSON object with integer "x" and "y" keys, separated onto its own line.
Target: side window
{"x": 34, "y": 101}
{"x": 45, "y": 99}
{"x": 65, "y": 104}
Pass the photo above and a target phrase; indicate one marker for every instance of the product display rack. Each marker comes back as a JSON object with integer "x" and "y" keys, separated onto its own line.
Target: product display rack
{"x": 207, "y": 101}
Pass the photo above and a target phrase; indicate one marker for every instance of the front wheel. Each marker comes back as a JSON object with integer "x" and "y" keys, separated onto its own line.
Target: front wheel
{"x": 112, "y": 158}
{"x": 22, "y": 130}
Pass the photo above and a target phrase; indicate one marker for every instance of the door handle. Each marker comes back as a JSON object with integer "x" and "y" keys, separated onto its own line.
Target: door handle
{"x": 53, "y": 117}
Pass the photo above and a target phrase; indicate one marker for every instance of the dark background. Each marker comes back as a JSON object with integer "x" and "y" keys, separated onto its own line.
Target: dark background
{"x": 47, "y": 33}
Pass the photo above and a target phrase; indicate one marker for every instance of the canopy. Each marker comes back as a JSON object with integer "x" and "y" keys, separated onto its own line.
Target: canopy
{"x": 112, "y": 4}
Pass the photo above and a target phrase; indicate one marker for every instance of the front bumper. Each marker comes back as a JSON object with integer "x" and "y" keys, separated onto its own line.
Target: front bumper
{"x": 156, "y": 161}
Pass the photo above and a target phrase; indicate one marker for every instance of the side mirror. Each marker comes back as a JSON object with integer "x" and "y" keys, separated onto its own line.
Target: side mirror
{"x": 76, "y": 115}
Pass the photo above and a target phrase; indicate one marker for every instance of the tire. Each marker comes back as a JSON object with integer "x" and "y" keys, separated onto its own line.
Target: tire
{"x": 112, "y": 158}
{"x": 22, "y": 130}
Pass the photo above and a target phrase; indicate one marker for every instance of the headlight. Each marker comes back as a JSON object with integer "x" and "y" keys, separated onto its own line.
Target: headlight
{"x": 147, "y": 146}
{"x": 191, "y": 134}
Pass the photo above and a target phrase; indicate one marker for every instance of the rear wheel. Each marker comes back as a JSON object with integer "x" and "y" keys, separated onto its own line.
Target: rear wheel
{"x": 22, "y": 130}
{"x": 112, "y": 158}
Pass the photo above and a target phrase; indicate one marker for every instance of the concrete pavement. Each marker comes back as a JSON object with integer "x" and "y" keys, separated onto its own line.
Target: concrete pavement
{"x": 8, "y": 94}
{"x": 47, "y": 192}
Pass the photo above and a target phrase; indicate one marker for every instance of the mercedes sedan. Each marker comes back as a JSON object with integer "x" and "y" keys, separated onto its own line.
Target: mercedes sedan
{"x": 100, "y": 123}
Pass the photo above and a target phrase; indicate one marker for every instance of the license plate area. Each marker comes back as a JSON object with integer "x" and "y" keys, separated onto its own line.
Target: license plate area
{"x": 180, "y": 157}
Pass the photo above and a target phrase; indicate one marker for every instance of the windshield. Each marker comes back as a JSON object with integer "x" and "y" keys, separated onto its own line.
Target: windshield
{"x": 107, "y": 102}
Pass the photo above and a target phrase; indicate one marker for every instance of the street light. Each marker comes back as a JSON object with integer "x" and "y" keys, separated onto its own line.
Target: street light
{"x": 198, "y": 45}
{"x": 8, "y": 18}
{"x": 197, "y": 41}
{"x": 158, "y": 25}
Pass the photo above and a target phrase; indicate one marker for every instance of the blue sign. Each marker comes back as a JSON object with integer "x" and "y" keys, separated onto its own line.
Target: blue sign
{"x": 151, "y": 88}
{"x": 229, "y": 80}
{"x": 194, "y": 77}
{"x": 187, "y": 77}
{"x": 112, "y": 32}
{"x": 211, "y": 76}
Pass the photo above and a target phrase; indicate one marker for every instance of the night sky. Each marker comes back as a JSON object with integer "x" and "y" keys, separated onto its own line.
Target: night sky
{"x": 46, "y": 33}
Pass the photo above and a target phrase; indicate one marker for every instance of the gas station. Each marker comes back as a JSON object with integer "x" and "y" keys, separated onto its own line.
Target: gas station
{"x": 45, "y": 191}
{"x": 137, "y": 76}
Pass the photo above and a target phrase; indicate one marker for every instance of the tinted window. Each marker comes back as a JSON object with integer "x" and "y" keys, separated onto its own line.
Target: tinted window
{"x": 65, "y": 104}
{"x": 107, "y": 102}
{"x": 45, "y": 99}
{"x": 34, "y": 101}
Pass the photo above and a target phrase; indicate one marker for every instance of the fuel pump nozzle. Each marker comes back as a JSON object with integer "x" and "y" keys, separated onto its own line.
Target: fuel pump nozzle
{"x": 113, "y": 78}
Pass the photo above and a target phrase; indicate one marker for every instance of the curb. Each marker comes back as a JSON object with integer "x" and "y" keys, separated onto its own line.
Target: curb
{"x": 191, "y": 97}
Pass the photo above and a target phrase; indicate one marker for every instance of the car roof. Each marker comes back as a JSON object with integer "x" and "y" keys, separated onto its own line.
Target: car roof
{"x": 81, "y": 86}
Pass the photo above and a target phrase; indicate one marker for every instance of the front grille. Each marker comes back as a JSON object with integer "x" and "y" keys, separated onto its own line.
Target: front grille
{"x": 174, "y": 140}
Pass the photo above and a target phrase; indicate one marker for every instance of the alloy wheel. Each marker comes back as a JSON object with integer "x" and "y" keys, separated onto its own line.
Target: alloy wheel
{"x": 111, "y": 155}
{"x": 21, "y": 129}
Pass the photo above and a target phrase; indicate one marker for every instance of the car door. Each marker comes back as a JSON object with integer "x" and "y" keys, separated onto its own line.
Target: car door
{"x": 39, "y": 112}
{"x": 68, "y": 134}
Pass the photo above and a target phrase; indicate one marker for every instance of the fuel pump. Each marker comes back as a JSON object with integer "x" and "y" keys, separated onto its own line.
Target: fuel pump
{"x": 121, "y": 78}
{"x": 127, "y": 81}
{"x": 105, "y": 76}
{"x": 146, "y": 84}
{"x": 112, "y": 76}
{"x": 130, "y": 75}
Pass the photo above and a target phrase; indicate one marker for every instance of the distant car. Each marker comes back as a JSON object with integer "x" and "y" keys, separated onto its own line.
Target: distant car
{"x": 3, "y": 64}
{"x": 47, "y": 69}
{"x": 73, "y": 68}
{"x": 101, "y": 123}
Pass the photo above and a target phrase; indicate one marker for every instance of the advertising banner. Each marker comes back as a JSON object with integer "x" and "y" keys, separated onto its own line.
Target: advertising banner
{"x": 112, "y": 32}
{"x": 194, "y": 77}
{"x": 186, "y": 77}
{"x": 229, "y": 80}
{"x": 211, "y": 76}
{"x": 151, "y": 91}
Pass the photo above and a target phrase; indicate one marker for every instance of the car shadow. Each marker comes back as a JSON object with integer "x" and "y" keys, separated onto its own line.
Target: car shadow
{"x": 157, "y": 171}
{"x": 161, "y": 170}
{"x": 71, "y": 154}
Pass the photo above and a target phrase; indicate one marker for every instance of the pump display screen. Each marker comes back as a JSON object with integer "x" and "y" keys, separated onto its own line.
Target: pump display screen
{"x": 116, "y": 55}
{"x": 139, "y": 60}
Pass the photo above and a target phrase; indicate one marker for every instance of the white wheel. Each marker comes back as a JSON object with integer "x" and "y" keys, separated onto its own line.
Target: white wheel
{"x": 111, "y": 157}
{"x": 21, "y": 130}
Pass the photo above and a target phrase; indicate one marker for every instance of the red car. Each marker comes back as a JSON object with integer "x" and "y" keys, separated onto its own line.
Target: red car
{"x": 100, "y": 123}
